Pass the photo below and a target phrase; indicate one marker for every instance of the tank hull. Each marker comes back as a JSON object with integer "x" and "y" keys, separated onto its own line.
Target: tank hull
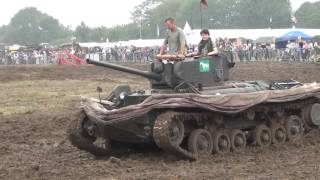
{"x": 218, "y": 120}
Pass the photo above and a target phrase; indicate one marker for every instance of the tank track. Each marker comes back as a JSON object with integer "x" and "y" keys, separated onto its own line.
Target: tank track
{"x": 292, "y": 109}
{"x": 82, "y": 141}
{"x": 161, "y": 137}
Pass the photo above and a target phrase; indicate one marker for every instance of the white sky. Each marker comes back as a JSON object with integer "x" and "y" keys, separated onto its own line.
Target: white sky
{"x": 93, "y": 12}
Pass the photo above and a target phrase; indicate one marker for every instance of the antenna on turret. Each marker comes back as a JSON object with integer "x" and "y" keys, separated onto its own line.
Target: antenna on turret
{"x": 99, "y": 89}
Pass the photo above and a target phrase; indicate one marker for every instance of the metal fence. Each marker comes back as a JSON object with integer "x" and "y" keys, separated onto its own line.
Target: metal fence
{"x": 124, "y": 55}
{"x": 275, "y": 55}
{"x": 25, "y": 58}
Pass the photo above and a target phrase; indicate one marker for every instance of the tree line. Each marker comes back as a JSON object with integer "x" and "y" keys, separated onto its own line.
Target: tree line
{"x": 30, "y": 26}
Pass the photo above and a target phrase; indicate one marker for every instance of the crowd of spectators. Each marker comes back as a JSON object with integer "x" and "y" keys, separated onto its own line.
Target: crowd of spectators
{"x": 123, "y": 54}
{"x": 242, "y": 50}
{"x": 299, "y": 51}
{"x": 34, "y": 56}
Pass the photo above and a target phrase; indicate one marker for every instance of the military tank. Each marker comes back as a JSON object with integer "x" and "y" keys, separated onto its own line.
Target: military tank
{"x": 192, "y": 109}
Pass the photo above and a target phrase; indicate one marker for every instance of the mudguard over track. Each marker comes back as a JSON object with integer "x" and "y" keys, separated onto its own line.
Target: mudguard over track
{"x": 228, "y": 103}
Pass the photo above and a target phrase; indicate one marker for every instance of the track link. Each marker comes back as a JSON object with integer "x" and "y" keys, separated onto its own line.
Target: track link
{"x": 161, "y": 129}
{"x": 162, "y": 139}
{"x": 82, "y": 141}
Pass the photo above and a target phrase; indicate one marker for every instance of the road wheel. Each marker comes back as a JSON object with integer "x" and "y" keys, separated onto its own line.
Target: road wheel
{"x": 262, "y": 136}
{"x": 200, "y": 142}
{"x": 221, "y": 142}
{"x": 278, "y": 133}
{"x": 294, "y": 128}
{"x": 238, "y": 140}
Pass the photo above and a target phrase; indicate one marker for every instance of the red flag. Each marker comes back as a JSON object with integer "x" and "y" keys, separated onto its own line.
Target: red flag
{"x": 204, "y": 3}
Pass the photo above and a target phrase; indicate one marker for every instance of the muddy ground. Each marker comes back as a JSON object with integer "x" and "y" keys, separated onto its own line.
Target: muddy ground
{"x": 36, "y": 103}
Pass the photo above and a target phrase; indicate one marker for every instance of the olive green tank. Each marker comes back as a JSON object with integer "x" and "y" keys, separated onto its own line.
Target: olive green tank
{"x": 192, "y": 109}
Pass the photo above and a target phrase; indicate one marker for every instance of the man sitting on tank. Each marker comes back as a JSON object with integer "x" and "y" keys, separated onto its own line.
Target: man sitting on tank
{"x": 176, "y": 41}
{"x": 206, "y": 46}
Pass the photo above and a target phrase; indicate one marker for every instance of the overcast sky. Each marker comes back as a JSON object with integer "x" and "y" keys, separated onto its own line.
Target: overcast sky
{"x": 92, "y": 12}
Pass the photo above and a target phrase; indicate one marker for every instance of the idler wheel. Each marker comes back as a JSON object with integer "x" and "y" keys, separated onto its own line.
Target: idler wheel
{"x": 262, "y": 136}
{"x": 221, "y": 142}
{"x": 315, "y": 114}
{"x": 80, "y": 137}
{"x": 278, "y": 134}
{"x": 200, "y": 142}
{"x": 176, "y": 132}
{"x": 312, "y": 114}
{"x": 238, "y": 140}
{"x": 89, "y": 128}
{"x": 294, "y": 128}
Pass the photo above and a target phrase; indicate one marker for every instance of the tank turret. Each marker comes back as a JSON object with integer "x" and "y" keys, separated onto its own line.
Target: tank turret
{"x": 187, "y": 74}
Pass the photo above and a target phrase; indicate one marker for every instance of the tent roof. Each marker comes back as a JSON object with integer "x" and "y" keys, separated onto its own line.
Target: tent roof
{"x": 187, "y": 29}
{"x": 294, "y": 35}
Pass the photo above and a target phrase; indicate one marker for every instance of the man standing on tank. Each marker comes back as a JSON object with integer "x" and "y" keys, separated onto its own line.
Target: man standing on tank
{"x": 175, "y": 39}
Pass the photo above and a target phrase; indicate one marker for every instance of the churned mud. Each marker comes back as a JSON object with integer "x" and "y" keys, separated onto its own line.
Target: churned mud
{"x": 37, "y": 103}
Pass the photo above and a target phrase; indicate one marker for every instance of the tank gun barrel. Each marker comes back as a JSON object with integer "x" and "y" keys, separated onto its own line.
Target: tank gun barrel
{"x": 146, "y": 74}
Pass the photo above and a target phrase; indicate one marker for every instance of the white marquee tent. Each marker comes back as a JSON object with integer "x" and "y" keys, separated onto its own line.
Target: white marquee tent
{"x": 193, "y": 36}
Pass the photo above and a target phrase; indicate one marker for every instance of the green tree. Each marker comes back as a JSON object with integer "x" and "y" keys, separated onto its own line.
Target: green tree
{"x": 82, "y": 32}
{"x": 140, "y": 11}
{"x": 3, "y": 32}
{"x": 31, "y": 27}
{"x": 257, "y": 14}
{"x": 308, "y": 15}
{"x": 222, "y": 14}
{"x": 99, "y": 34}
{"x": 123, "y": 32}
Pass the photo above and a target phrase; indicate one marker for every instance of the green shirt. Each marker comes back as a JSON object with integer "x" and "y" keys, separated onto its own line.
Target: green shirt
{"x": 205, "y": 47}
{"x": 174, "y": 41}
